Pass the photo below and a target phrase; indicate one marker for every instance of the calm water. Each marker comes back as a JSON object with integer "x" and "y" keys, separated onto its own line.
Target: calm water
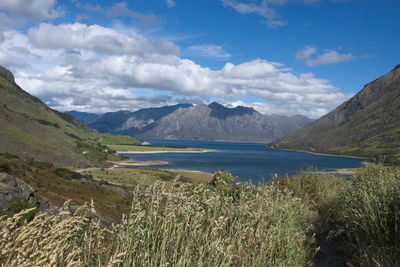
{"x": 248, "y": 161}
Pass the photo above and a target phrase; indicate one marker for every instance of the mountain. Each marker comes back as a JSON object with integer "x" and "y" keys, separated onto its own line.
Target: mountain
{"x": 83, "y": 117}
{"x": 366, "y": 125}
{"x": 200, "y": 122}
{"x": 220, "y": 123}
{"x": 132, "y": 123}
{"x": 29, "y": 128}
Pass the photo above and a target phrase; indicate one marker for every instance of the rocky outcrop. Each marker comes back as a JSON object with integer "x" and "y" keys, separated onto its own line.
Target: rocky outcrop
{"x": 6, "y": 74}
{"x": 13, "y": 188}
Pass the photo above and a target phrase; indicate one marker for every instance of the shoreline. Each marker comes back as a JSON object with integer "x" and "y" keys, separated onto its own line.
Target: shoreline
{"x": 317, "y": 153}
{"x": 161, "y": 151}
{"x": 185, "y": 170}
{"x": 140, "y": 163}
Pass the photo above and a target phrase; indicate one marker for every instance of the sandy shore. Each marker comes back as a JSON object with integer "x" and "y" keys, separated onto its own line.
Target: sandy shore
{"x": 184, "y": 170}
{"x": 161, "y": 151}
{"x": 140, "y": 163}
{"x": 318, "y": 153}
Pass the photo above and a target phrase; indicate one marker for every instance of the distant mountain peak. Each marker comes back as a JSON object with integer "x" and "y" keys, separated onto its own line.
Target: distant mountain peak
{"x": 397, "y": 67}
{"x": 7, "y": 74}
{"x": 221, "y": 112}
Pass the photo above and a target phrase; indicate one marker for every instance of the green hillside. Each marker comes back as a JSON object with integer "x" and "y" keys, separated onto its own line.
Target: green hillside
{"x": 367, "y": 125}
{"x": 29, "y": 128}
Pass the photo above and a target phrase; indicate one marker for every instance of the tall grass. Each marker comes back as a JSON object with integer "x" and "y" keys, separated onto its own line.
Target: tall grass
{"x": 190, "y": 225}
{"x": 219, "y": 225}
{"x": 366, "y": 214}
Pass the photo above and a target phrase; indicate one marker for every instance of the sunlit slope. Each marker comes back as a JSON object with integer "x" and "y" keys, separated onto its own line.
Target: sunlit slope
{"x": 29, "y": 128}
{"x": 366, "y": 125}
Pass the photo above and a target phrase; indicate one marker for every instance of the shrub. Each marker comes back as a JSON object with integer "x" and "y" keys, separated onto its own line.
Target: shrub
{"x": 66, "y": 173}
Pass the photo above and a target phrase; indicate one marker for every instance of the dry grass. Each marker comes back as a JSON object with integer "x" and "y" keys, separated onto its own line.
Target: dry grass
{"x": 146, "y": 176}
{"x": 190, "y": 225}
{"x": 219, "y": 225}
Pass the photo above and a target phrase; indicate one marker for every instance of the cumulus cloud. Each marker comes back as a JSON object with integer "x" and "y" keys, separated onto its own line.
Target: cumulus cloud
{"x": 111, "y": 78}
{"x": 72, "y": 69}
{"x": 208, "y": 51}
{"x": 35, "y": 11}
{"x": 96, "y": 38}
{"x": 170, "y": 3}
{"x": 311, "y": 58}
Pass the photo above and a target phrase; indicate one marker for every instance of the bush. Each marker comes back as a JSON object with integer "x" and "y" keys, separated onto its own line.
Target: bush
{"x": 19, "y": 205}
{"x": 4, "y": 166}
{"x": 66, "y": 173}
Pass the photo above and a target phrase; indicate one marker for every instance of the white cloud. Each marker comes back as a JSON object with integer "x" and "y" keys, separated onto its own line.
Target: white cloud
{"x": 35, "y": 11}
{"x": 96, "y": 38}
{"x": 170, "y": 3}
{"x": 268, "y": 8}
{"x": 308, "y": 55}
{"x": 121, "y": 9}
{"x": 71, "y": 69}
{"x": 262, "y": 9}
{"x": 209, "y": 51}
{"x": 106, "y": 81}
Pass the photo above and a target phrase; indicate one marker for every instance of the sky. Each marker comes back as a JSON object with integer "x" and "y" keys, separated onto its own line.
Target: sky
{"x": 279, "y": 56}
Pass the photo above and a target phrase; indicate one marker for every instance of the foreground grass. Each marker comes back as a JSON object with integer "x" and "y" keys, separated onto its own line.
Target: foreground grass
{"x": 361, "y": 214}
{"x": 188, "y": 225}
{"x": 366, "y": 216}
{"x": 218, "y": 225}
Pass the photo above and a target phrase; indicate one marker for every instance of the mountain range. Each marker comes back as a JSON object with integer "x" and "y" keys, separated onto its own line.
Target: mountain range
{"x": 213, "y": 122}
{"x": 367, "y": 125}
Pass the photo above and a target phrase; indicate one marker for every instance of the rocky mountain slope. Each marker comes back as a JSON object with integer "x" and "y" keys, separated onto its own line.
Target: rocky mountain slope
{"x": 131, "y": 123}
{"x": 200, "y": 122}
{"x": 216, "y": 122}
{"x": 367, "y": 125}
{"x": 29, "y": 128}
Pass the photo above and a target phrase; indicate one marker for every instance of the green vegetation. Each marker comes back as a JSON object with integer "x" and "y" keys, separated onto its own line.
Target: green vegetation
{"x": 146, "y": 176}
{"x": 29, "y": 127}
{"x": 366, "y": 215}
{"x": 59, "y": 185}
{"x": 19, "y": 205}
{"x": 153, "y": 148}
{"x": 362, "y": 213}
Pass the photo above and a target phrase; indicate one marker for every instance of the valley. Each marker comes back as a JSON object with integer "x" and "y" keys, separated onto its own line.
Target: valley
{"x": 226, "y": 133}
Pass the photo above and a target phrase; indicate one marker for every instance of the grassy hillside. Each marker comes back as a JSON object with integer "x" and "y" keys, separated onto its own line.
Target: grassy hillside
{"x": 109, "y": 189}
{"x": 367, "y": 125}
{"x": 29, "y": 128}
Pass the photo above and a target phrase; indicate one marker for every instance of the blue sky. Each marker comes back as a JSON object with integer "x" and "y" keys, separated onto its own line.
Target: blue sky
{"x": 279, "y": 56}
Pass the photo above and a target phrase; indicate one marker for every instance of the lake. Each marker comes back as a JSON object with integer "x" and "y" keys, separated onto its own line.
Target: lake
{"x": 249, "y": 161}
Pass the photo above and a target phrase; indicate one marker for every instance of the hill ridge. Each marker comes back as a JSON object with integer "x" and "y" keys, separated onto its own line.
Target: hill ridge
{"x": 366, "y": 125}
